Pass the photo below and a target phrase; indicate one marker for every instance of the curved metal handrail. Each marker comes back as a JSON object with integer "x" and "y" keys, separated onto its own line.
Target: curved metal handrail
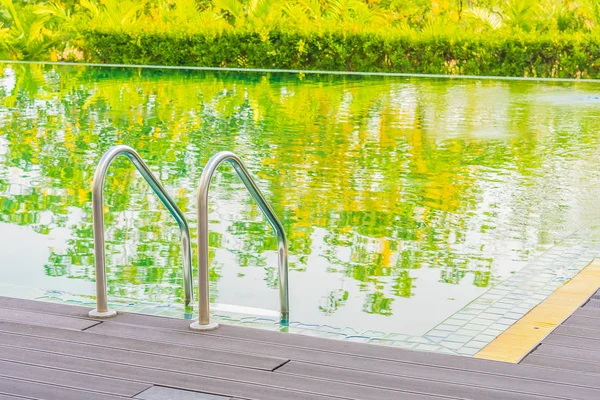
{"x": 203, "y": 322}
{"x": 102, "y": 310}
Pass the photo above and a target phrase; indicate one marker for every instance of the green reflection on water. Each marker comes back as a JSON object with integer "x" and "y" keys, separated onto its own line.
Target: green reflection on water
{"x": 403, "y": 199}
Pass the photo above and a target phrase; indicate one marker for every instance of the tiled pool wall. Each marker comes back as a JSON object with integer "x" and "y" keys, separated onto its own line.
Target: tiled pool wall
{"x": 464, "y": 333}
{"x": 472, "y": 328}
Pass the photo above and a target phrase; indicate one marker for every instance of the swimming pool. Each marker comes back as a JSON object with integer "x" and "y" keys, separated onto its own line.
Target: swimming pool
{"x": 404, "y": 199}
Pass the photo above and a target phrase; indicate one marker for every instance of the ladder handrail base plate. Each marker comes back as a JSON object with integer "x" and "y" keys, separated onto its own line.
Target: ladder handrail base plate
{"x": 102, "y": 314}
{"x": 196, "y": 326}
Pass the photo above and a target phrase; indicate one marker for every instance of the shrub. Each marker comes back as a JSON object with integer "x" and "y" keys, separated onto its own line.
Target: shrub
{"x": 557, "y": 56}
{"x": 542, "y": 38}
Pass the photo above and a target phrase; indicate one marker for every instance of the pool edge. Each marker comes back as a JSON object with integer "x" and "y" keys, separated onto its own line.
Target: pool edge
{"x": 523, "y": 336}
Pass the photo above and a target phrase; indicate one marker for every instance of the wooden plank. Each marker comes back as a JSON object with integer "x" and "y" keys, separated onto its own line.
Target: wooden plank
{"x": 158, "y": 322}
{"x": 292, "y": 341}
{"x": 240, "y": 385}
{"x": 239, "y": 340}
{"x": 448, "y": 383}
{"x": 153, "y": 321}
{"x": 165, "y": 393}
{"x": 216, "y": 371}
{"x": 11, "y": 397}
{"x": 577, "y": 331}
{"x": 562, "y": 364}
{"x": 71, "y": 379}
{"x": 194, "y": 353}
{"x": 587, "y": 312}
{"x": 410, "y": 359}
{"x": 306, "y": 348}
{"x": 551, "y": 350}
{"x": 590, "y": 323}
{"x": 570, "y": 341}
{"x": 594, "y": 303}
{"x": 261, "y": 340}
{"x": 42, "y": 391}
{"x": 43, "y": 307}
{"x": 129, "y": 357}
{"x": 48, "y": 345}
{"x": 56, "y": 321}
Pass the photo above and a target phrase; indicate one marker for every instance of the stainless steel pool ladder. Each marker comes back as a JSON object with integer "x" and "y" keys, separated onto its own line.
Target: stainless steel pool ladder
{"x": 203, "y": 323}
{"x": 102, "y": 310}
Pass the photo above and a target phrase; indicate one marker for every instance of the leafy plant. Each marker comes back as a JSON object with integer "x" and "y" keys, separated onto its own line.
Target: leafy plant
{"x": 483, "y": 19}
{"x": 519, "y": 14}
{"x": 24, "y": 34}
{"x": 520, "y": 37}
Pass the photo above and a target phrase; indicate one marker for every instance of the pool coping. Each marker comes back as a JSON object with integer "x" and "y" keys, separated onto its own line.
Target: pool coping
{"x": 308, "y": 71}
{"x": 522, "y": 337}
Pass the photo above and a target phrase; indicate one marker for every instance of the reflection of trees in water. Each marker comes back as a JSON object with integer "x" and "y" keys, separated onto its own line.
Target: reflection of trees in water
{"x": 362, "y": 159}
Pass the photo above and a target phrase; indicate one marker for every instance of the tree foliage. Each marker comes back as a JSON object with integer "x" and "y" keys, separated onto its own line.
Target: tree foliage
{"x": 71, "y": 29}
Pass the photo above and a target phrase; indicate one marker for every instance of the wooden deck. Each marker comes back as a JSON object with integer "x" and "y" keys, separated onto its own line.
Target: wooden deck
{"x": 575, "y": 344}
{"x": 55, "y": 352}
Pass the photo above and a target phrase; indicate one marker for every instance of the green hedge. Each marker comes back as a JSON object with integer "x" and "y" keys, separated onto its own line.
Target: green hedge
{"x": 527, "y": 55}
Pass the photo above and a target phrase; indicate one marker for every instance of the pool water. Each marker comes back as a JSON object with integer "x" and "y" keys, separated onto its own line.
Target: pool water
{"x": 404, "y": 199}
